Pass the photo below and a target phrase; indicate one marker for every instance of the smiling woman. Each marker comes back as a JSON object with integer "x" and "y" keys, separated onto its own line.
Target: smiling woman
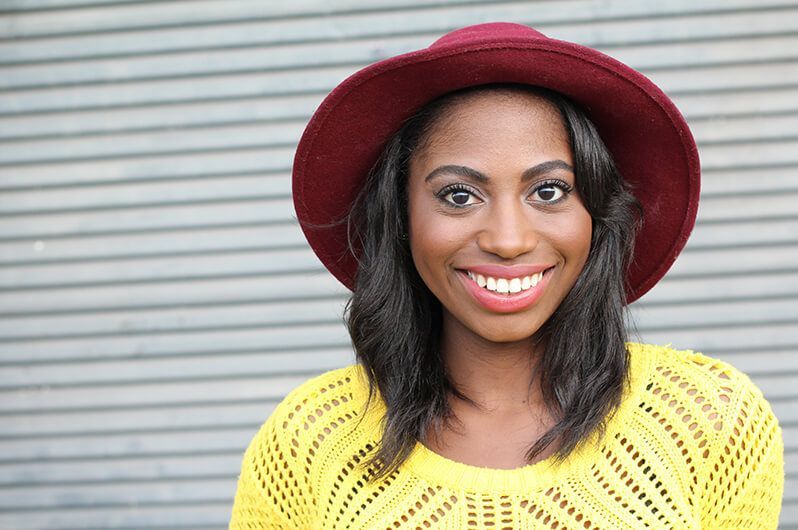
{"x": 494, "y": 202}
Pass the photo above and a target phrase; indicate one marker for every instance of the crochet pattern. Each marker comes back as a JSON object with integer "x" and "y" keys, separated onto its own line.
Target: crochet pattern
{"x": 693, "y": 445}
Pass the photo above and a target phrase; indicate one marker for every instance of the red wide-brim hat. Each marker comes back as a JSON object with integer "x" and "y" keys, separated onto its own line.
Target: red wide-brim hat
{"x": 645, "y": 132}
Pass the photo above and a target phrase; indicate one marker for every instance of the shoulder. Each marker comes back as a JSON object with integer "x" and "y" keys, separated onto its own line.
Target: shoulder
{"x": 719, "y": 419}
{"x": 687, "y": 372}
{"x": 332, "y": 396}
{"x": 282, "y": 461}
{"x": 695, "y": 383}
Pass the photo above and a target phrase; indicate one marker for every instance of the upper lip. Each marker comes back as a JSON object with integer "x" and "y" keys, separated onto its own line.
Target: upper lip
{"x": 506, "y": 271}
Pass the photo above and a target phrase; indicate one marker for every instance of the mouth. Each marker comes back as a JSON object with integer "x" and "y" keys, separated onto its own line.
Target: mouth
{"x": 506, "y": 285}
{"x": 505, "y": 295}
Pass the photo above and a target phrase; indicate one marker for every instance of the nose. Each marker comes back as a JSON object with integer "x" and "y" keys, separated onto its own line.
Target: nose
{"x": 508, "y": 231}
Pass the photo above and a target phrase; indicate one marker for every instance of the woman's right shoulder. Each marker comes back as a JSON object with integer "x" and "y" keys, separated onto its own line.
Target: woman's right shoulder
{"x": 320, "y": 404}
{"x": 296, "y": 447}
{"x": 348, "y": 382}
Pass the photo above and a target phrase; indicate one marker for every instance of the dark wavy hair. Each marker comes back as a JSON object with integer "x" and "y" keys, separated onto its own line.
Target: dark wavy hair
{"x": 395, "y": 321}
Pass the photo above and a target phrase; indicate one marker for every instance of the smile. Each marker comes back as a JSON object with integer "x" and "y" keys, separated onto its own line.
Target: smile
{"x": 505, "y": 294}
{"x": 506, "y": 285}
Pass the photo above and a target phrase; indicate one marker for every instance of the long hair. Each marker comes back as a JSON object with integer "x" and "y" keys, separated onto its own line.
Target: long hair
{"x": 395, "y": 321}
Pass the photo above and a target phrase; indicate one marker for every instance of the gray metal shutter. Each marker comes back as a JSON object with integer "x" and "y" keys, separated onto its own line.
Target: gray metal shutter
{"x": 157, "y": 296}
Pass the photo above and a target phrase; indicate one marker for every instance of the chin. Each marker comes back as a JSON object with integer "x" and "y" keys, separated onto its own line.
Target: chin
{"x": 506, "y": 334}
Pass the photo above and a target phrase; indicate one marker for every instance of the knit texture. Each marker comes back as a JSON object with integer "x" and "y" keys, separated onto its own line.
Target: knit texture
{"x": 693, "y": 445}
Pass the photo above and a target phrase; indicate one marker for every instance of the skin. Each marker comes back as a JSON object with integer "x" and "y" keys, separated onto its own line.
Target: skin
{"x": 491, "y": 357}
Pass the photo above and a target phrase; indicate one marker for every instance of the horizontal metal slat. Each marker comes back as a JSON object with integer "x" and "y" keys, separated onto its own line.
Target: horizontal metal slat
{"x": 161, "y": 419}
{"x": 154, "y": 321}
{"x": 724, "y": 129}
{"x": 180, "y": 91}
{"x": 258, "y": 57}
{"x": 169, "y": 355}
{"x": 726, "y": 78}
{"x": 214, "y": 491}
{"x": 723, "y": 339}
{"x": 148, "y": 395}
{"x": 743, "y": 233}
{"x": 209, "y": 291}
{"x": 749, "y": 155}
{"x": 173, "y": 15}
{"x": 172, "y": 516}
{"x": 630, "y": 41}
{"x": 164, "y": 167}
{"x": 731, "y": 157}
{"x": 752, "y": 260}
{"x": 745, "y": 181}
{"x": 741, "y": 102}
{"x": 720, "y": 130}
{"x": 299, "y": 107}
{"x": 745, "y": 285}
{"x": 145, "y": 194}
{"x": 238, "y": 137}
{"x": 36, "y": 5}
{"x": 173, "y": 116}
{"x": 721, "y": 313}
{"x": 758, "y": 362}
{"x": 160, "y": 268}
{"x": 701, "y": 261}
{"x": 152, "y": 244}
{"x": 188, "y": 13}
{"x": 209, "y": 240}
{"x": 126, "y": 445}
{"x": 320, "y": 79}
{"x": 147, "y": 219}
{"x": 752, "y": 206}
{"x": 178, "y": 467}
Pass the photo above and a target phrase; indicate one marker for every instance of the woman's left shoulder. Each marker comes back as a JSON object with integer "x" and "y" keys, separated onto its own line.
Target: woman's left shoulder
{"x": 718, "y": 381}
{"x": 724, "y": 425}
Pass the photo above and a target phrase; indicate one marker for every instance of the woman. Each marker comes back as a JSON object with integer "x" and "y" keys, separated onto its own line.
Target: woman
{"x": 503, "y": 196}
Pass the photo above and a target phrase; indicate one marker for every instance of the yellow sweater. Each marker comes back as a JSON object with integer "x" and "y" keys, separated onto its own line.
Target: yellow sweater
{"x": 694, "y": 445}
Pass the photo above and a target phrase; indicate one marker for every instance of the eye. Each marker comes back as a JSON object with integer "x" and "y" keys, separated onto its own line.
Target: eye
{"x": 458, "y": 196}
{"x": 551, "y": 192}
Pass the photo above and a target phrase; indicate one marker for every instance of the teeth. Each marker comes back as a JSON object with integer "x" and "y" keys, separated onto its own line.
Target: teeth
{"x": 502, "y": 285}
{"x": 505, "y": 285}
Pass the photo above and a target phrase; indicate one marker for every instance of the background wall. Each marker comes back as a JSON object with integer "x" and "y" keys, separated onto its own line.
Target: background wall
{"x": 157, "y": 297}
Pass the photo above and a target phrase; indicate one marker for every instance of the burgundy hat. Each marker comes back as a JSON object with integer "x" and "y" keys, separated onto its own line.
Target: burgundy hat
{"x": 646, "y": 134}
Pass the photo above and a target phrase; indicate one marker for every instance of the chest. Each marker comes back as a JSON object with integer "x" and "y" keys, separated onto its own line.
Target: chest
{"x": 498, "y": 444}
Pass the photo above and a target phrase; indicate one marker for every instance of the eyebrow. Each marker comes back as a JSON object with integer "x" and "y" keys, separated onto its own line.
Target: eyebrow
{"x": 473, "y": 174}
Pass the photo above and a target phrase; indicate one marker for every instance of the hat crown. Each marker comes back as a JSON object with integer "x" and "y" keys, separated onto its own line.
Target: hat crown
{"x": 489, "y": 30}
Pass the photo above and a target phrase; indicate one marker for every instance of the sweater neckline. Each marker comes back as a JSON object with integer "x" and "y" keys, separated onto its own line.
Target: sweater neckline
{"x": 437, "y": 469}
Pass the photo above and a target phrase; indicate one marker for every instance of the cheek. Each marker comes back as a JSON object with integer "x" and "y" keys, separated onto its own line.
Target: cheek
{"x": 422, "y": 233}
{"x": 572, "y": 236}
{"x": 429, "y": 241}
{"x": 579, "y": 236}
{"x": 434, "y": 240}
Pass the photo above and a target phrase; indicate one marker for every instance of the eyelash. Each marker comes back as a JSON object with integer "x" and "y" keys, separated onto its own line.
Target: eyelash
{"x": 556, "y": 183}
{"x": 441, "y": 195}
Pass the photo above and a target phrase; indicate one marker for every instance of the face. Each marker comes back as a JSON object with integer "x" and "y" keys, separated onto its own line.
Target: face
{"x": 497, "y": 229}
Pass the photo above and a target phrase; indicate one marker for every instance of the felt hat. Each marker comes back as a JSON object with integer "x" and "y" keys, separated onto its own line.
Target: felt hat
{"x": 646, "y": 134}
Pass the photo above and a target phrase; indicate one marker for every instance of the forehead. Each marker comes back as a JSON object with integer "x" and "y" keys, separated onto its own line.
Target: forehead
{"x": 487, "y": 119}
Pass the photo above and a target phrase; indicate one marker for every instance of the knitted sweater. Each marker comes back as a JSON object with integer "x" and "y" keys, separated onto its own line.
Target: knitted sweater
{"x": 693, "y": 445}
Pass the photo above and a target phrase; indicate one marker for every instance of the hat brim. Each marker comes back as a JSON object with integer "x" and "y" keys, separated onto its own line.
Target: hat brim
{"x": 646, "y": 134}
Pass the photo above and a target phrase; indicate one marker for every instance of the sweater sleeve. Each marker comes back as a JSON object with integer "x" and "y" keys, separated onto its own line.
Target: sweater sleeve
{"x": 272, "y": 486}
{"x": 749, "y": 469}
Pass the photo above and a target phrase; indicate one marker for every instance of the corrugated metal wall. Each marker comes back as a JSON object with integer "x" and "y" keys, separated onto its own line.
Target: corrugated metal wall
{"x": 157, "y": 297}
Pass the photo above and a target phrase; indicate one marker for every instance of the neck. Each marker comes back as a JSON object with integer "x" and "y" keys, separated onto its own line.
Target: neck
{"x": 497, "y": 377}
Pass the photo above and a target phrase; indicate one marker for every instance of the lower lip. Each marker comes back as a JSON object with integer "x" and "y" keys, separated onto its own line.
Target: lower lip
{"x": 505, "y": 303}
